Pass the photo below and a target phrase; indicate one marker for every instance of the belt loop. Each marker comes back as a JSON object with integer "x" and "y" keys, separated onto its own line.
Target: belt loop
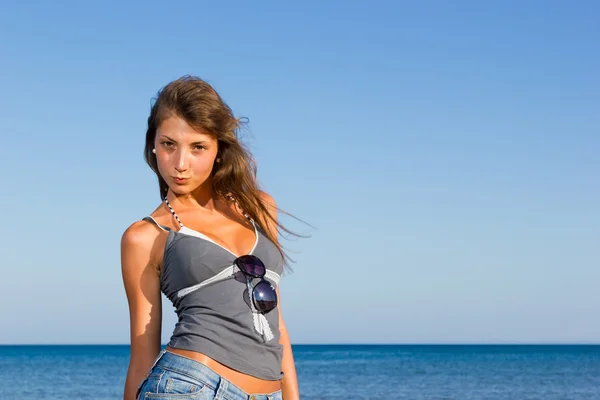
{"x": 158, "y": 358}
{"x": 221, "y": 389}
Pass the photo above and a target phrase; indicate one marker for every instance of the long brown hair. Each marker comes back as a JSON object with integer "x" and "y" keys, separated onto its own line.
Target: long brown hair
{"x": 196, "y": 102}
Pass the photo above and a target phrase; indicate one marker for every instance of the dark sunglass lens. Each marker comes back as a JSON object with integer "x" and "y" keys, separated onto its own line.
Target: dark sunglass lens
{"x": 264, "y": 297}
{"x": 251, "y": 265}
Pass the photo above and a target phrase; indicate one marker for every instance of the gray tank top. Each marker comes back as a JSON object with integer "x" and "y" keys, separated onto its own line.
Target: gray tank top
{"x": 216, "y": 317}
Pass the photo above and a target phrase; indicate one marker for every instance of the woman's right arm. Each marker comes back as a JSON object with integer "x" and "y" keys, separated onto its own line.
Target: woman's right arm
{"x": 142, "y": 288}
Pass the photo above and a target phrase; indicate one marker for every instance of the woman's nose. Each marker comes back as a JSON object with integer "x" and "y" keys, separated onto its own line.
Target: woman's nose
{"x": 181, "y": 161}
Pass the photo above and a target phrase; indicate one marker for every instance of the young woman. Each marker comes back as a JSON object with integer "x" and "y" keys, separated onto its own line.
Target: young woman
{"x": 211, "y": 247}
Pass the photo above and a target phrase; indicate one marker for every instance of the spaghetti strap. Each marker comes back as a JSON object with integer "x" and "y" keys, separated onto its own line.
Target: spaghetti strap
{"x": 150, "y": 219}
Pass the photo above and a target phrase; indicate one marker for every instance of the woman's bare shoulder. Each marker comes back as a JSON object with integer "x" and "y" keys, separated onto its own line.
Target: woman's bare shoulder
{"x": 266, "y": 197}
{"x": 140, "y": 251}
{"x": 142, "y": 234}
{"x": 269, "y": 202}
{"x": 142, "y": 231}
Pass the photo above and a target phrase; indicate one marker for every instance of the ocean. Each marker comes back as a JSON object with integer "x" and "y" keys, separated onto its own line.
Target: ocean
{"x": 336, "y": 372}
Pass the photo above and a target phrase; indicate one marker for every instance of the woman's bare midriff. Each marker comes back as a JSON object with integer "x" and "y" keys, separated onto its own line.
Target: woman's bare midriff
{"x": 247, "y": 383}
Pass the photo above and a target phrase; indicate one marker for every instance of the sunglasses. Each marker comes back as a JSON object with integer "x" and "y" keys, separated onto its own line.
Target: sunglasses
{"x": 264, "y": 296}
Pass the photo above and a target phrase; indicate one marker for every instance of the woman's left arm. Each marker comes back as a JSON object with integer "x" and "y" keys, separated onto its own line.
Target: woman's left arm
{"x": 289, "y": 383}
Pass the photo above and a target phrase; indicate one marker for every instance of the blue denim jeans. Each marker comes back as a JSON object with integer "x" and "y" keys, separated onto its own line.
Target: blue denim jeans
{"x": 175, "y": 377}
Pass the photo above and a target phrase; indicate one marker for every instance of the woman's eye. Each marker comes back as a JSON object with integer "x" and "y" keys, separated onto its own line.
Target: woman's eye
{"x": 199, "y": 147}
{"x": 167, "y": 144}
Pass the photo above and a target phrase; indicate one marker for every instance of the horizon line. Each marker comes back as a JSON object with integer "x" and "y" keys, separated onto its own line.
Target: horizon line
{"x": 351, "y": 344}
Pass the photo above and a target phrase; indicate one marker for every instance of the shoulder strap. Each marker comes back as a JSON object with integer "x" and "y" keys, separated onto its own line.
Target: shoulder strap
{"x": 150, "y": 219}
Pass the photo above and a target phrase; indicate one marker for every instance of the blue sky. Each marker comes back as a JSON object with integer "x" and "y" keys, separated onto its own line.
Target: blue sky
{"x": 446, "y": 154}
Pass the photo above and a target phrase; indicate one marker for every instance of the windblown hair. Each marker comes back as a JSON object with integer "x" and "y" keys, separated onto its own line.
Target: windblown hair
{"x": 195, "y": 101}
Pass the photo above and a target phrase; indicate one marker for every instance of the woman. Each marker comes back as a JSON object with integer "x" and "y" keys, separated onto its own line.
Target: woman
{"x": 211, "y": 247}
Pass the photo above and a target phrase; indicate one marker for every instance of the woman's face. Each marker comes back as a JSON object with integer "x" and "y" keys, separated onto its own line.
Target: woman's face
{"x": 185, "y": 156}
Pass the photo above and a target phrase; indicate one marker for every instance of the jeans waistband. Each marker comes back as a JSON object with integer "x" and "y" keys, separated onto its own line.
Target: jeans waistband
{"x": 201, "y": 372}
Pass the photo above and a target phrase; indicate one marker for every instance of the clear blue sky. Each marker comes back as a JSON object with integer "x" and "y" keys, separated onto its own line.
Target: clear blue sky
{"x": 445, "y": 152}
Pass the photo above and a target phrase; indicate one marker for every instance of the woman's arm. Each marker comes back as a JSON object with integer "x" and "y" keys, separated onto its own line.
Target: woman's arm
{"x": 142, "y": 289}
{"x": 289, "y": 383}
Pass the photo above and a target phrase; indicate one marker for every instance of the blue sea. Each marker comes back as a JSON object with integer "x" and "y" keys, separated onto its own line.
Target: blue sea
{"x": 336, "y": 372}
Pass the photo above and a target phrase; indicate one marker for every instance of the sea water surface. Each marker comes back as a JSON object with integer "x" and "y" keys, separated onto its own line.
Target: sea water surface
{"x": 336, "y": 372}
